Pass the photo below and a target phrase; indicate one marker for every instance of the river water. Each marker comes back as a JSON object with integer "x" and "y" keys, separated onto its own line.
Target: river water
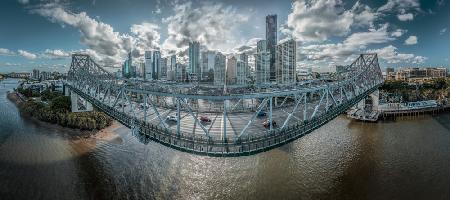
{"x": 405, "y": 159}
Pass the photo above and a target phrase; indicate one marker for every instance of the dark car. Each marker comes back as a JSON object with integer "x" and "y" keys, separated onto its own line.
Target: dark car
{"x": 261, "y": 113}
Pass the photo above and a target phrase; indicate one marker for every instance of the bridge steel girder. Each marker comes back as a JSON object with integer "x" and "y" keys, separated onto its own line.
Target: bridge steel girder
{"x": 105, "y": 91}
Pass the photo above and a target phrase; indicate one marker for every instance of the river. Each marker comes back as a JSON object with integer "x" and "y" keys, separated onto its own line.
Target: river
{"x": 344, "y": 159}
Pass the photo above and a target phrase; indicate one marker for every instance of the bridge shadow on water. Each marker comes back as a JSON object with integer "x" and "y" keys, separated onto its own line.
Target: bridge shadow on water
{"x": 443, "y": 119}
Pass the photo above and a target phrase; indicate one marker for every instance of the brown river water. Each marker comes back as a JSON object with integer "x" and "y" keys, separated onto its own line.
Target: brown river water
{"x": 404, "y": 159}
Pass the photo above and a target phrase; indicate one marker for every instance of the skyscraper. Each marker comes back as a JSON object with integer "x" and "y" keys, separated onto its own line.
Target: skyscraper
{"x": 163, "y": 71}
{"x": 286, "y": 62}
{"x": 173, "y": 62}
{"x": 131, "y": 68}
{"x": 194, "y": 59}
{"x": 242, "y": 69}
{"x": 262, "y": 63}
{"x": 231, "y": 70}
{"x": 152, "y": 65}
{"x": 156, "y": 67}
{"x": 208, "y": 59}
{"x": 241, "y": 73}
{"x": 148, "y": 72}
{"x": 271, "y": 38}
{"x": 219, "y": 69}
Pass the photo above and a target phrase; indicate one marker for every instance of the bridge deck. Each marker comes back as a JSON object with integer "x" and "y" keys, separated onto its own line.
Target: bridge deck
{"x": 202, "y": 145}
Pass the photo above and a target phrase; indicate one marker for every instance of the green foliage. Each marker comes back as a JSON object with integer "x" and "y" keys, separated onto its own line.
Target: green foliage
{"x": 60, "y": 104}
{"x": 394, "y": 85}
{"x": 430, "y": 90}
{"x": 59, "y": 113}
{"x": 28, "y": 92}
{"x": 48, "y": 95}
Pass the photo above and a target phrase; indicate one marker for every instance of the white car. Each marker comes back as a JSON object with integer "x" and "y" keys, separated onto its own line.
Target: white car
{"x": 171, "y": 118}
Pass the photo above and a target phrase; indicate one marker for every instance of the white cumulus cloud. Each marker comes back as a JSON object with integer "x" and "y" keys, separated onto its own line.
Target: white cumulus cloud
{"x": 392, "y": 56}
{"x": 6, "y": 52}
{"x": 214, "y": 25}
{"x": 405, "y": 17}
{"x": 26, "y": 54}
{"x": 411, "y": 40}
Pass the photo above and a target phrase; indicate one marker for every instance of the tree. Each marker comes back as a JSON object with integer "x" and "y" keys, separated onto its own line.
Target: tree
{"x": 60, "y": 104}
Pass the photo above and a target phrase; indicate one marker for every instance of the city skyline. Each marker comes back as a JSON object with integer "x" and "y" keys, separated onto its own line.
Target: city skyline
{"x": 403, "y": 33}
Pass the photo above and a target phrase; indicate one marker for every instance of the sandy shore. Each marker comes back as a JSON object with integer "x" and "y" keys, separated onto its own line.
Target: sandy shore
{"x": 84, "y": 145}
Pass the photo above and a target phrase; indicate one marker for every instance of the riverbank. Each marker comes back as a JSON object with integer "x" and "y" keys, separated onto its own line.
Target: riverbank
{"x": 76, "y": 135}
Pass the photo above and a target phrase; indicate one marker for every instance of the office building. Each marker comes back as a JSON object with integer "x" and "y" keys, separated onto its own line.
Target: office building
{"x": 262, "y": 63}
{"x": 219, "y": 69}
{"x": 194, "y": 60}
{"x": 163, "y": 67}
{"x": 231, "y": 70}
{"x": 152, "y": 65}
{"x": 208, "y": 60}
{"x": 271, "y": 38}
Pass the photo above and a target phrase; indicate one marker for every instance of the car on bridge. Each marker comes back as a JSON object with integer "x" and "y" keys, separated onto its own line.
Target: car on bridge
{"x": 266, "y": 123}
{"x": 142, "y": 106}
{"x": 171, "y": 118}
{"x": 261, "y": 113}
{"x": 204, "y": 119}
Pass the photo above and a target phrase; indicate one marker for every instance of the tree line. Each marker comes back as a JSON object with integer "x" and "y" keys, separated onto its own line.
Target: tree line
{"x": 57, "y": 111}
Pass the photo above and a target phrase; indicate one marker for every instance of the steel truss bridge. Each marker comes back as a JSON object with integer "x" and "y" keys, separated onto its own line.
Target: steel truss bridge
{"x": 234, "y": 125}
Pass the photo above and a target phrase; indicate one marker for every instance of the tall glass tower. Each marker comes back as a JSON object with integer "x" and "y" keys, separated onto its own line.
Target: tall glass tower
{"x": 271, "y": 39}
{"x": 194, "y": 58}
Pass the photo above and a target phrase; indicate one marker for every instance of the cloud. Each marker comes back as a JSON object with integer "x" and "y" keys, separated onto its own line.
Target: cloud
{"x": 212, "y": 24}
{"x": 6, "y": 52}
{"x": 398, "y": 32}
{"x": 405, "y": 17}
{"x": 390, "y": 55}
{"x": 249, "y": 47}
{"x": 351, "y": 46}
{"x": 400, "y": 5}
{"x": 411, "y": 40}
{"x": 146, "y": 35}
{"x": 27, "y": 54}
{"x": 56, "y": 54}
{"x": 98, "y": 36}
{"x": 7, "y": 64}
{"x": 321, "y": 19}
{"x": 442, "y": 31}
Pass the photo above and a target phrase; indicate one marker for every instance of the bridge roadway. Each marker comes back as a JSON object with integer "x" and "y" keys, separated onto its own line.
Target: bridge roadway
{"x": 236, "y": 121}
{"x": 200, "y": 144}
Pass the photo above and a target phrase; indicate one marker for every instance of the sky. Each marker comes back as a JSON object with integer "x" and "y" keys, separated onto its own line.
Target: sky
{"x": 42, "y": 34}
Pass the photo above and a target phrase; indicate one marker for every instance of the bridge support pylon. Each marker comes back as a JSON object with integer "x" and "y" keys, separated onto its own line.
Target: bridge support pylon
{"x": 78, "y": 104}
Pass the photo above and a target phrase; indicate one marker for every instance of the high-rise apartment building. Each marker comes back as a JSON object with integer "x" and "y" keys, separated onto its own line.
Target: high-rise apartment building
{"x": 286, "y": 62}
{"x": 231, "y": 70}
{"x": 219, "y": 69}
{"x": 271, "y": 38}
{"x": 242, "y": 69}
{"x": 35, "y": 74}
